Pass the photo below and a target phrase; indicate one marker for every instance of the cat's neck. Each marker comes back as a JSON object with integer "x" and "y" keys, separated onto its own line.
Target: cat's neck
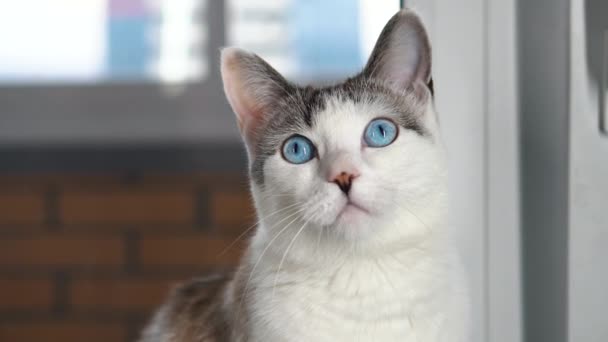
{"x": 353, "y": 286}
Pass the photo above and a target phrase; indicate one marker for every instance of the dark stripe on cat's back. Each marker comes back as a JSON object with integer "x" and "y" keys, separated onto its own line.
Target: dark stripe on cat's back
{"x": 195, "y": 312}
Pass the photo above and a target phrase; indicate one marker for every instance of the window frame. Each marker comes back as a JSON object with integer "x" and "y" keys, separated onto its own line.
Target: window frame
{"x": 111, "y": 112}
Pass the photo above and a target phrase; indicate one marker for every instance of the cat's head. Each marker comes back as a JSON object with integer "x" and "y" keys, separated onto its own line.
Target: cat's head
{"x": 351, "y": 159}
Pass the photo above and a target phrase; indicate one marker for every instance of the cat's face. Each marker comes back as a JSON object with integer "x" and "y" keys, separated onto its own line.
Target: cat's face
{"x": 349, "y": 159}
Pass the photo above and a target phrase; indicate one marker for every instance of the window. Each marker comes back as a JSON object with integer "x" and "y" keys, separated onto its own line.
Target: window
{"x": 309, "y": 41}
{"x": 67, "y": 41}
{"x": 147, "y": 71}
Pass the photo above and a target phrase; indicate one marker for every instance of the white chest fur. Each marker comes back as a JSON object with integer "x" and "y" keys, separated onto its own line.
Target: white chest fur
{"x": 410, "y": 296}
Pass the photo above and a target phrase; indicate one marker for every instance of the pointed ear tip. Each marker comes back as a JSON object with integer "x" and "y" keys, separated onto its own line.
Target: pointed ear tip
{"x": 229, "y": 55}
{"x": 407, "y": 11}
{"x": 407, "y": 19}
{"x": 409, "y": 14}
{"x": 230, "y": 50}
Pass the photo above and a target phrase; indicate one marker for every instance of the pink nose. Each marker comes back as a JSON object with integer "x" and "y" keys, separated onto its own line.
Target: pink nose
{"x": 344, "y": 181}
{"x": 341, "y": 168}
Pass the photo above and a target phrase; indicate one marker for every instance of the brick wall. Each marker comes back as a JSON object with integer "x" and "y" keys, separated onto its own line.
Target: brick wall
{"x": 88, "y": 257}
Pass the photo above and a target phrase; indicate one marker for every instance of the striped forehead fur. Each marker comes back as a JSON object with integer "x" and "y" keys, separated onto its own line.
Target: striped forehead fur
{"x": 296, "y": 110}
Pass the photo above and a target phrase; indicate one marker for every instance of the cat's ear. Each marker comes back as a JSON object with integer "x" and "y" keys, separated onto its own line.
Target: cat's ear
{"x": 252, "y": 86}
{"x": 402, "y": 54}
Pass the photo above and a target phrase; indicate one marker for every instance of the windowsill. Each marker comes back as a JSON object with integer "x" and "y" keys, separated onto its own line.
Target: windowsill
{"x": 155, "y": 157}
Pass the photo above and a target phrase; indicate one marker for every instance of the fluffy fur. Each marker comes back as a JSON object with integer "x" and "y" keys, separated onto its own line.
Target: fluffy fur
{"x": 373, "y": 264}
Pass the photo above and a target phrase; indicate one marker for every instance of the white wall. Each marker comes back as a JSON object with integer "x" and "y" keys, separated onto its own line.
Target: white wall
{"x": 456, "y": 30}
{"x": 459, "y": 79}
{"x": 504, "y": 300}
{"x": 475, "y": 68}
{"x": 588, "y": 238}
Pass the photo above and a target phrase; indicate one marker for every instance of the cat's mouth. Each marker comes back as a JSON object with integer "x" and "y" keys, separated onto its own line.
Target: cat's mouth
{"x": 350, "y": 209}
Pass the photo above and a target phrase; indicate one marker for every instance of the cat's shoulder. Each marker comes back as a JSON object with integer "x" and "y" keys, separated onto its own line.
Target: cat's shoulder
{"x": 192, "y": 313}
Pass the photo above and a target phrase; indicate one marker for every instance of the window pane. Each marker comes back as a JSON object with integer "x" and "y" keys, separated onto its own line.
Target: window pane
{"x": 309, "y": 41}
{"x": 59, "y": 41}
{"x": 93, "y": 41}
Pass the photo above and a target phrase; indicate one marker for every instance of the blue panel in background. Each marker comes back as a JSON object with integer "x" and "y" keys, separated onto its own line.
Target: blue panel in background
{"x": 325, "y": 39}
{"x": 129, "y": 47}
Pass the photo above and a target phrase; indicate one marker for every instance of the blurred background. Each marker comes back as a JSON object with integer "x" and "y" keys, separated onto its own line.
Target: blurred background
{"x": 122, "y": 171}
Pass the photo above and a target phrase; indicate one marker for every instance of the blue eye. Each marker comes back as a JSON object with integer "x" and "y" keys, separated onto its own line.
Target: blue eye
{"x": 298, "y": 150}
{"x": 380, "y": 133}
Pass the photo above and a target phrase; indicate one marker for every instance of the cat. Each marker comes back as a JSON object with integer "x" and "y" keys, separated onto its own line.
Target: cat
{"x": 349, "y": 183}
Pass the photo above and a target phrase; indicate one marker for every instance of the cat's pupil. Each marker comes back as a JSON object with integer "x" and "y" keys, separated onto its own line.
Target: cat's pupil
{"x": 296, "y": 148}
{"x": 381, "y": 130}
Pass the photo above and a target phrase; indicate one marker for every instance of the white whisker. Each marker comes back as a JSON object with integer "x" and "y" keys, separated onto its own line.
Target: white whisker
{"x": 245, "y": 291}
{"x": 254, "y": 225}
{"x": 287, "y": 251}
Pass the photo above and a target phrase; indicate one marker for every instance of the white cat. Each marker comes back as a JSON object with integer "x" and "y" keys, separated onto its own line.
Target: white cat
{"x": 349, "y": 183}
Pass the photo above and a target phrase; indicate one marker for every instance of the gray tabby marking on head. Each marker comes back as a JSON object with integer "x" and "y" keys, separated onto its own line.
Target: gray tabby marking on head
{"x": 298, "y": 110}
{"x": 397, "y": 76}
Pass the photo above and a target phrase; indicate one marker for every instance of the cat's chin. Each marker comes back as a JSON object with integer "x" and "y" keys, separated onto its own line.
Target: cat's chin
{"x": 353, "y": 221}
